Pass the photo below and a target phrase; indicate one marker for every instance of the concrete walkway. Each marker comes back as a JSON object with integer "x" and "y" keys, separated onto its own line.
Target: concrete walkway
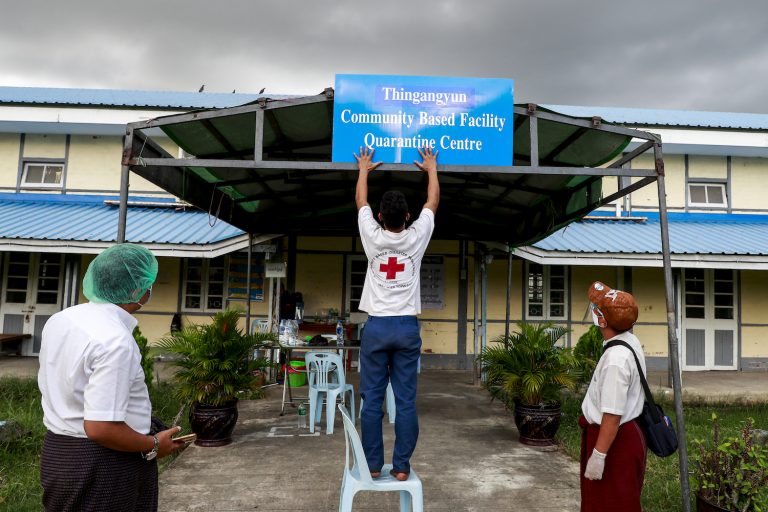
{"x": 468, "y": 457}
{"x": 468, "y": 454}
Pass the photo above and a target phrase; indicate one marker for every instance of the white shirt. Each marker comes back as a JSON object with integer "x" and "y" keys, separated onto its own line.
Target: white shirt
{"x": 393, "y": 279}
{"x": 615, "y": 387}
{"x": 90, "y": 369}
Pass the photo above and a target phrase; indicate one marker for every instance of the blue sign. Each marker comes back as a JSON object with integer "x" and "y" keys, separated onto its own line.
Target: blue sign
{"x": 469, "y": 121}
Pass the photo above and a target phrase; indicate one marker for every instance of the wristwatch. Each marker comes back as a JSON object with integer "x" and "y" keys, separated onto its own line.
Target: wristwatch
{"x": 153, "y": 452}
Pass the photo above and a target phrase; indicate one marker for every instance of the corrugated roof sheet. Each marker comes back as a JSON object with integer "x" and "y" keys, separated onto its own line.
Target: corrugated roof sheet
{"x": 205, "y": 100}
{"x": 655, "y": 117}
{"x": 86, "y": 218}
{"x": 125, "y": 98}
{"x": 726, "y": 234}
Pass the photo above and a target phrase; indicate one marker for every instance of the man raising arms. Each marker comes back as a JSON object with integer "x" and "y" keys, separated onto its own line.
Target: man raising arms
{"x": 391, "y": 343}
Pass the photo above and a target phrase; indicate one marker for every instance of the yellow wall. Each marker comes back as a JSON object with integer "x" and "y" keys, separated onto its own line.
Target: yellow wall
{"x": 648, "y": 289}
{"x": 44, "y": 146}
{"x": 9, "y": 159}
{"x": 747, "y": 179}
{"x": 674, "y": 182}
{"x": 754, "y": 304}
{"x": 320, "y": 277}
{"x": 707, "y": 167}
{"x": 653, "y": 338}
{"x": 94, "y": 163}
{"x": 754, "y": 342}
{"x": 754, "y": 299}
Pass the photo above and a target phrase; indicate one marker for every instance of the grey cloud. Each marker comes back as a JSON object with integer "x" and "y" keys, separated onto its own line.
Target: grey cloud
{"x": 695, "y": 54}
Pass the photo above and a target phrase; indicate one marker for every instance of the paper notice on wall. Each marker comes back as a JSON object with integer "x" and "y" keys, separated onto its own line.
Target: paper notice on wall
{"x": 432, "y": 282}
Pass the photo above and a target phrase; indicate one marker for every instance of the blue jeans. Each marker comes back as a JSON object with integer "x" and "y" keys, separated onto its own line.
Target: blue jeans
{"x": 389, "y": 351}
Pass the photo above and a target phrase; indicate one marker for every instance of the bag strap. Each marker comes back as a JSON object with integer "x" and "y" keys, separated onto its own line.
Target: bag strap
{"x": 646, "y": 389}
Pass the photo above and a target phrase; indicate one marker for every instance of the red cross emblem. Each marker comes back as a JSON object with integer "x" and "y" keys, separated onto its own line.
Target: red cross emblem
{"x": 392, "y": 267}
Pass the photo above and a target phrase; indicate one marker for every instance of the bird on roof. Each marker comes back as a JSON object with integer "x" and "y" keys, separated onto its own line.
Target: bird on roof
{"x": 202, "y": 87}
{"x": 262, "y": 90}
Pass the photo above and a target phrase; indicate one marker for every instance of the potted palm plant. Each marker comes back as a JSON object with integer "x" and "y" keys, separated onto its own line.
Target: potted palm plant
{"x": 730, "y": 473}
{"x": 527, "y": 372}
{"x": 215, "y": 364}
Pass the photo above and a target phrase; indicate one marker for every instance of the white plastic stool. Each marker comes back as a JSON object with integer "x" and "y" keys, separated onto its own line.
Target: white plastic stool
{"x": 358, "y": 478}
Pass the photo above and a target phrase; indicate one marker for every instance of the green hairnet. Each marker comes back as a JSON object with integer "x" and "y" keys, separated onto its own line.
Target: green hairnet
{"x": 120, "y": 275}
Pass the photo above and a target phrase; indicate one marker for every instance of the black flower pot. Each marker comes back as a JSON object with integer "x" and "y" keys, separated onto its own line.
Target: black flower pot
{"x": 213, "y": 424}
{"x": 537, "y": 424}
{"x": 703, "y": 505}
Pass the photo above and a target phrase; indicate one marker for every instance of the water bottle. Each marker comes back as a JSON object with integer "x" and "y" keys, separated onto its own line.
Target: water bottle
{"x": 302, "y": 416}
{"x": 339, "y": 333}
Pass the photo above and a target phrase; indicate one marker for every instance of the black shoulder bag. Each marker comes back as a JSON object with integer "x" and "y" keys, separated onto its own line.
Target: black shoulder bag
{"x": 659, "y": 431}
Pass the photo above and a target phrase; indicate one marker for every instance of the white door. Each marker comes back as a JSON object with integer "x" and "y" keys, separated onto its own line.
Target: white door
{"x": 31, "y": 293}
{"x": 709, "y": 319}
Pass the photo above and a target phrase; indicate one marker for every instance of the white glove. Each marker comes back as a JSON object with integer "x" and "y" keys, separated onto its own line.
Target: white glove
{"x": 595, "y": 466}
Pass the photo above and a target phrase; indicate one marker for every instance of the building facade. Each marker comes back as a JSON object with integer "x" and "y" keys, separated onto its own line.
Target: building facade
{"x": 60, "y": 153}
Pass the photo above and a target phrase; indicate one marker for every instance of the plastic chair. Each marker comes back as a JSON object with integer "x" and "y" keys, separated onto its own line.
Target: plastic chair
{"x": 389, "y": 402}
{"x": 358, "y": 478}
{"x": 326, "y": 375}
{"x": 259, "y": 326}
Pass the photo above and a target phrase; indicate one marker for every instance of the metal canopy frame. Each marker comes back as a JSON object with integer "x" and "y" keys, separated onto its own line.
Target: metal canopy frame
{"x": 303, "y": 167}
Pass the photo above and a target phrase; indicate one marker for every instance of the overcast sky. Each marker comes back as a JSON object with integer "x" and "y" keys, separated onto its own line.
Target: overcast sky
{"x": 681, "y": 54}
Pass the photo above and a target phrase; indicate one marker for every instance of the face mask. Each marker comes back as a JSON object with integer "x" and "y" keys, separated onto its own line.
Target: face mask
{"x": 595, "y": 318}
{"x": 147, "y": 301}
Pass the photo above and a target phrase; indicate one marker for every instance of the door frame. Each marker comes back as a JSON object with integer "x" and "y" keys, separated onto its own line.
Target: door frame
{"x": 709, "y": 324}
{"x": 30, "y": 309}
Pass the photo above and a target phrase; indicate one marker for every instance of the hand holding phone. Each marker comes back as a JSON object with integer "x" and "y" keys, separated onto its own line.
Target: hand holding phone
{"x": 187, "y": 438}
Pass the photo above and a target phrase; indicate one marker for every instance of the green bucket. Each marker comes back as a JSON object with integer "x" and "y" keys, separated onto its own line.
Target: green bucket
{"x": 296, "y": 374}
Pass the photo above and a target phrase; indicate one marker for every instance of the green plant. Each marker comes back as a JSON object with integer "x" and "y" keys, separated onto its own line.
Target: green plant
{"x": 587, "y": 352}
{"x": 147, "y": 363}
{"x": 215, "y": 361}
{"x": 732, "y": 472}
{"x": 527, "y": 366}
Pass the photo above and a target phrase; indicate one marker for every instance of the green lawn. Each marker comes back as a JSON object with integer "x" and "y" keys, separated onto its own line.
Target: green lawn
{"x": 20, "y": 489}
{"x": 661, "y": 492}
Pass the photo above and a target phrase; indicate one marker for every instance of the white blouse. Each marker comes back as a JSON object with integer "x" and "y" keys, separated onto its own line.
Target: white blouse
{"x": 90, "y": 369}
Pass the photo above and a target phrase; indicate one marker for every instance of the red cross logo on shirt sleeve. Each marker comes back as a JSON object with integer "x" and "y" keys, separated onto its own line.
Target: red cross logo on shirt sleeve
{"x": 392, "y": 267}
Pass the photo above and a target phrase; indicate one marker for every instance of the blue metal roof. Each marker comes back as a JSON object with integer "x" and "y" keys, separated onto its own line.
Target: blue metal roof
{"x": 724, "y": 234}
{"x": 70, "y": 217}
{"x": 205, "y": 100}
{"x": 655, "y": 117}
{"x": 125, "y": 98}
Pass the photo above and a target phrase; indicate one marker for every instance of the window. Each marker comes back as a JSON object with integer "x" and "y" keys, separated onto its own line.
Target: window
{"x": 42, "y": 175}
{"x": 356, "y": 268}
{"x": 546, "y": 292}
{"x": 706, "y": 194}
{"x": 204, "y": 282}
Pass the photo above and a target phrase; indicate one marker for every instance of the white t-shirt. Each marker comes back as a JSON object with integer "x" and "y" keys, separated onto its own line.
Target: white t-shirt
{"x": 90, "y": 369}
{"x": 615, "y": 387}
{"x": 393, "y": 279}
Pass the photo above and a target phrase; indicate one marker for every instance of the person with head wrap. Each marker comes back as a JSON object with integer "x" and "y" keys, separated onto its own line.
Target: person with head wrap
{"x": 613, "y": 449}
{"x": 98, "y": 453}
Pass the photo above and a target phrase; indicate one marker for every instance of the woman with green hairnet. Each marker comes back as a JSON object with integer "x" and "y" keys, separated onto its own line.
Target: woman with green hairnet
{"x": 98, "y": 453}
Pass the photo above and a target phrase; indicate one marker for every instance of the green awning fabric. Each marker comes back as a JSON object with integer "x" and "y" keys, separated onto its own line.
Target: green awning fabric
{"x": 479, "y": 204}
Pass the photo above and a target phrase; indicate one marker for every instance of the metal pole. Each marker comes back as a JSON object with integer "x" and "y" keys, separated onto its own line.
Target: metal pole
{"x": 672, "y": 332}
{"x": 484, "y": 307}
{"x": 475, "y": 322}
{"x": 248, "y": 286}
{"x": 122, "y": 216}
{"x": 509, "y": 288}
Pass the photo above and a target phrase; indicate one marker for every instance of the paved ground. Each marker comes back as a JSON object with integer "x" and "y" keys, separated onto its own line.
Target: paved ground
{"x": 468, "y": 457}
{"x": 468, "y": 454}
{"x": 719, "y": 385}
